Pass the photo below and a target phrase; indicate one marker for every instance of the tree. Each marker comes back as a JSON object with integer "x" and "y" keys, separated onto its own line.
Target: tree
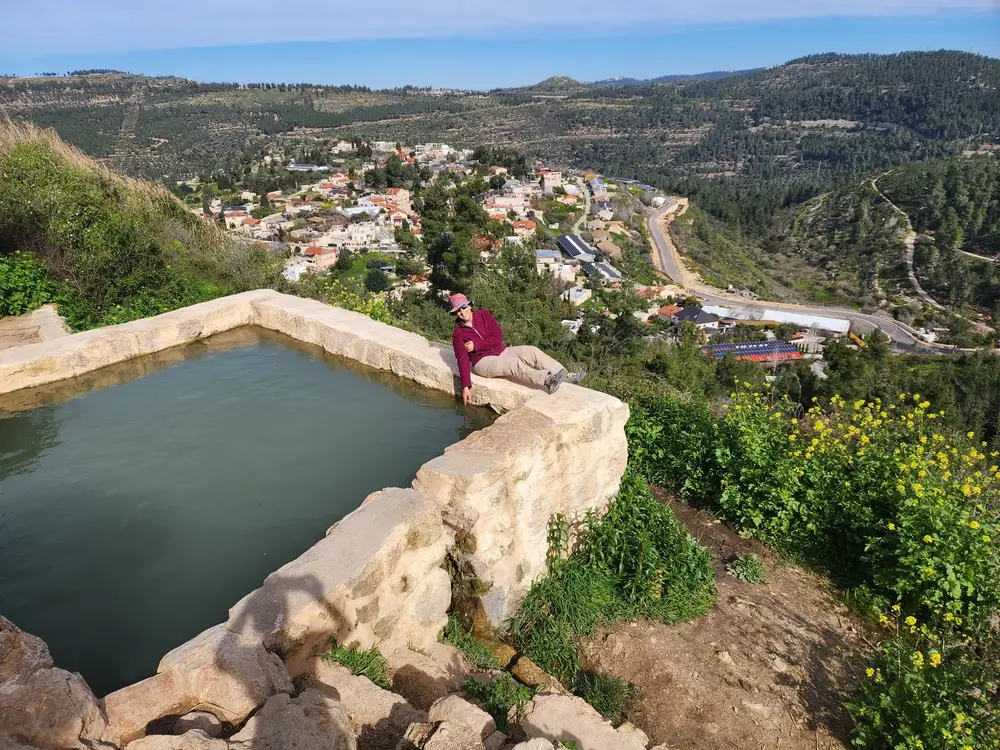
{"x": 264, "y": 202}
{"x": 377, "y": 281}
{"x": 344, "y": 260}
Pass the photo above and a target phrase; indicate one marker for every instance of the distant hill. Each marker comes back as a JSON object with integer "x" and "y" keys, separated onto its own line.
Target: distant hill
{"x": 710, "y": 76}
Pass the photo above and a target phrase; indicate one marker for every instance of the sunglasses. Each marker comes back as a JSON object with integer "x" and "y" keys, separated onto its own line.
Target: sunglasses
{"x": 463, "y": 307}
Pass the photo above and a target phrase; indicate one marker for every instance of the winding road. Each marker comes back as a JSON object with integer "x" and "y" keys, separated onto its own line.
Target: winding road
{"x": 910, "y": 241}
{"x": 586, "y": 205}
{"x": 905, "y": 339}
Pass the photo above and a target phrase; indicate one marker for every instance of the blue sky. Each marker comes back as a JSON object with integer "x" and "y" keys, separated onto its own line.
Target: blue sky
{"x": 470, "y": 44}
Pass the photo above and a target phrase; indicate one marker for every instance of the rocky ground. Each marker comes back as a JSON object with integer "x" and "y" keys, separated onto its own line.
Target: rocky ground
{"x": 768, "y": 667}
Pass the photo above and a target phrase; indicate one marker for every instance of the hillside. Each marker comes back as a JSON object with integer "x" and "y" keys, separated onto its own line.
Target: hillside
{"x": 107, "y": 248}
{"x": 794, "y": 126}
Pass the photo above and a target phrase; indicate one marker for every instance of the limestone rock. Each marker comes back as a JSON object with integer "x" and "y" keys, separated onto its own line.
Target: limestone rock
{"x": 310, "y": 721}
{"x": 232, "y": 672}
{"x": 203, "y": 720}
{"x": 628, "y": 729}
{"x": 562, "y": 717}
{"x": 457, "y": 710}
{"x": 451, "y": 735}
{"x": 193, "y": 740}
{"x": 422, "y": 678}
{"x": 416, "y": 736}
{"x": 40, "y": 704}
{"x": 536, "y": 744}
{"x": 378, "y": 718}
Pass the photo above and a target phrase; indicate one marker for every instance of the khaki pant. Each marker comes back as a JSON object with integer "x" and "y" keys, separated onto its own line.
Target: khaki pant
{"x": 523, "y": 364}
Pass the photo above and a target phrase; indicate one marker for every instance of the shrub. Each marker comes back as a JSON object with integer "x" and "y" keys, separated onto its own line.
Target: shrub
{"x": 24, "y": 284}
{"x": 499, "y": 697}
{"x": 635, "y": 561}
{"x": 749, "y": 568}
{"x": 366, "y": 663}
{"x": 339, "y": 294}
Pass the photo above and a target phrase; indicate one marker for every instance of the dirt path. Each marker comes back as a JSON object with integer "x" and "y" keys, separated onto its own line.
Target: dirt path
{"x": 768, "y": 667}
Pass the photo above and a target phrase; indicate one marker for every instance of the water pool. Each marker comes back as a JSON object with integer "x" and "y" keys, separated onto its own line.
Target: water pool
{"x": 139, "y": 503}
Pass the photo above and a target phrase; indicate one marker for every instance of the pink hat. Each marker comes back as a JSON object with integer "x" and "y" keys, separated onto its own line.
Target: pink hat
{"x": 457, "y": 302}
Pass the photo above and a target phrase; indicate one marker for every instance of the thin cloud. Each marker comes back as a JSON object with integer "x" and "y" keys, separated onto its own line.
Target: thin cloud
{"x": 48, "y": 27}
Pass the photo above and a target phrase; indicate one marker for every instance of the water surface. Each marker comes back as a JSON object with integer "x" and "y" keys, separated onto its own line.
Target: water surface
{"x": 134, "y": 511}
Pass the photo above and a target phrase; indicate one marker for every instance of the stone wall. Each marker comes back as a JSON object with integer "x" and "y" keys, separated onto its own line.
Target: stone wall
{"x": 376, "y": 578}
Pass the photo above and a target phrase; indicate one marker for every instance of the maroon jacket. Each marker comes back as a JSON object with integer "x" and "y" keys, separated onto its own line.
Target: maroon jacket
{"x": 487, "y": 338}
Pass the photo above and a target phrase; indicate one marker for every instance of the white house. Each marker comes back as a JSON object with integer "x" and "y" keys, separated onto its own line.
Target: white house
{"x": 577, "y": 295}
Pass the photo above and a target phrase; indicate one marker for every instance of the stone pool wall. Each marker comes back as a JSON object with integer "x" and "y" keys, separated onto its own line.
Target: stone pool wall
{"x": 376, "y": 578}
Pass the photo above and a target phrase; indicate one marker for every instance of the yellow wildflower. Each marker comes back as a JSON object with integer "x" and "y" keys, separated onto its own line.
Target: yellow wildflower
{"x": 928, "y": 538}
{"x": 892, "y": 526}
{"x": 911, "y": 620}
{"x": 935, "y": 660}
{"x": 973, "y": 524}
{"x": 918, "y": 658}
{"x": 870, "y": 672}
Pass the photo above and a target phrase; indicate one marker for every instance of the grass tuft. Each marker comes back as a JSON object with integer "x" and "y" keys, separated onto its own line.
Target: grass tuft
{"x": 499, "y": 696}
{"x": 478, "y": 653}
{"x": 367, "y": 663}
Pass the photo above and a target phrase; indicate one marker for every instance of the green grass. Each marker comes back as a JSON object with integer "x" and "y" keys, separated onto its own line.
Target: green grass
{"x": 365, "y": 663}
{"x": 499, "y": 696}
{"x": 476, "y": 652}
{"x": 636, "y": 561}
{"x": 748, "y": 568}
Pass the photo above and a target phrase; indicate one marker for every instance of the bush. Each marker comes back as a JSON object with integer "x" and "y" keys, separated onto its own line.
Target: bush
{"x": 24, "y": 284}
{"x": 377, "y": 281}
{"x": 926, "y": 690}
{"x": 635, "y": 561}
{"x": 891, "y": 506}
{"x": 368, "y": 663}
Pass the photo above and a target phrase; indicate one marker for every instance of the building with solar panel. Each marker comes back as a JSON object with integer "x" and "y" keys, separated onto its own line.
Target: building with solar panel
{"x": 773, "y": 351}
{"x": 574, "y": 248}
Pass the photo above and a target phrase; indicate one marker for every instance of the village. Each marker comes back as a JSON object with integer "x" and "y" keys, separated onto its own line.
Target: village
{"x": 578, "y": 225}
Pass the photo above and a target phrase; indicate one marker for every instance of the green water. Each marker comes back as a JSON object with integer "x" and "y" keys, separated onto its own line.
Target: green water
{"x": 134, "y": 511}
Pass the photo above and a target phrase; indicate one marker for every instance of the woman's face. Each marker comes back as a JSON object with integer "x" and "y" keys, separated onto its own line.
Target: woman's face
{"x": 464, "y": 315}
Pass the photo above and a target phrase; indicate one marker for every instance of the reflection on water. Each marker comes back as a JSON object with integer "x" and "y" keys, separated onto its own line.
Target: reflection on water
{"x": 133, "y": 517}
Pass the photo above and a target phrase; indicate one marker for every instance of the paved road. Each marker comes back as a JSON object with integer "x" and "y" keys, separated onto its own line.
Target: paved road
{"x": 586, "y": 205}
{"x": 904, "y": 337}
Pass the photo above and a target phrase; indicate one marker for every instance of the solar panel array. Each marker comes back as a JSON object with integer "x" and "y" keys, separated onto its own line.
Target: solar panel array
{"x": 755, "y": 351}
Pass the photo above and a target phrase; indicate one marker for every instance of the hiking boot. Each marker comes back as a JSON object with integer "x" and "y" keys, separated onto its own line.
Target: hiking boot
{"x": 576, "y": 377}
{"x": 553, "y": 381}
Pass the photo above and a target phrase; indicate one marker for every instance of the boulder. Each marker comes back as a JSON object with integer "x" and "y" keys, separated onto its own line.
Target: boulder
{"x": 229, "y": 671}
{"x": 310, "y": 721}
{"x": 423, "y": 678}
{"x": 628, "y": 729}
{"x": 207, "y": 722}
{"x": 456, "y": 710}
{"x": 193, "y": 740}
{"x": 379, "y": 718}
{"x": 41, "y": 705}
{"x": 536, "y": 744}
{"x": 554, "y": 717}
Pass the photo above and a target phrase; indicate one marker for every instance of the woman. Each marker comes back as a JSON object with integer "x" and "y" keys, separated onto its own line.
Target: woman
{"x": 479, "y": 348}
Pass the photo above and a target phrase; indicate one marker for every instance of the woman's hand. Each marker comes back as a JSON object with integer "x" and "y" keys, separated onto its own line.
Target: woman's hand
{"x": 469, "y": 346}
{"x": 466, "y": 395}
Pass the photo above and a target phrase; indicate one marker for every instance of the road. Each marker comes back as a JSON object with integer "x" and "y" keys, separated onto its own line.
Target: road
{"x": 910, "y": 241}
{"x": 904, "y": 338}
{"x": 586, "y": 205}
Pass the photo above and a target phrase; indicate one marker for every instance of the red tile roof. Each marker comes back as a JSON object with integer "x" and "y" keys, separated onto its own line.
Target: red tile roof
{"x": 669, "y": 311}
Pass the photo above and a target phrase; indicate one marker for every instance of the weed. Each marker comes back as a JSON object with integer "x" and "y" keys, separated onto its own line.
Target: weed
{"x": 748, "y": 568}
{"x": 368, "y": 663}
{"x": 499, "y": 696}
{"x": 477, "y": 652}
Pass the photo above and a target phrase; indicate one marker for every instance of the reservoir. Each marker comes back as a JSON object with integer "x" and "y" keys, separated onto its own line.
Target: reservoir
{"x": 138, "y": 503}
